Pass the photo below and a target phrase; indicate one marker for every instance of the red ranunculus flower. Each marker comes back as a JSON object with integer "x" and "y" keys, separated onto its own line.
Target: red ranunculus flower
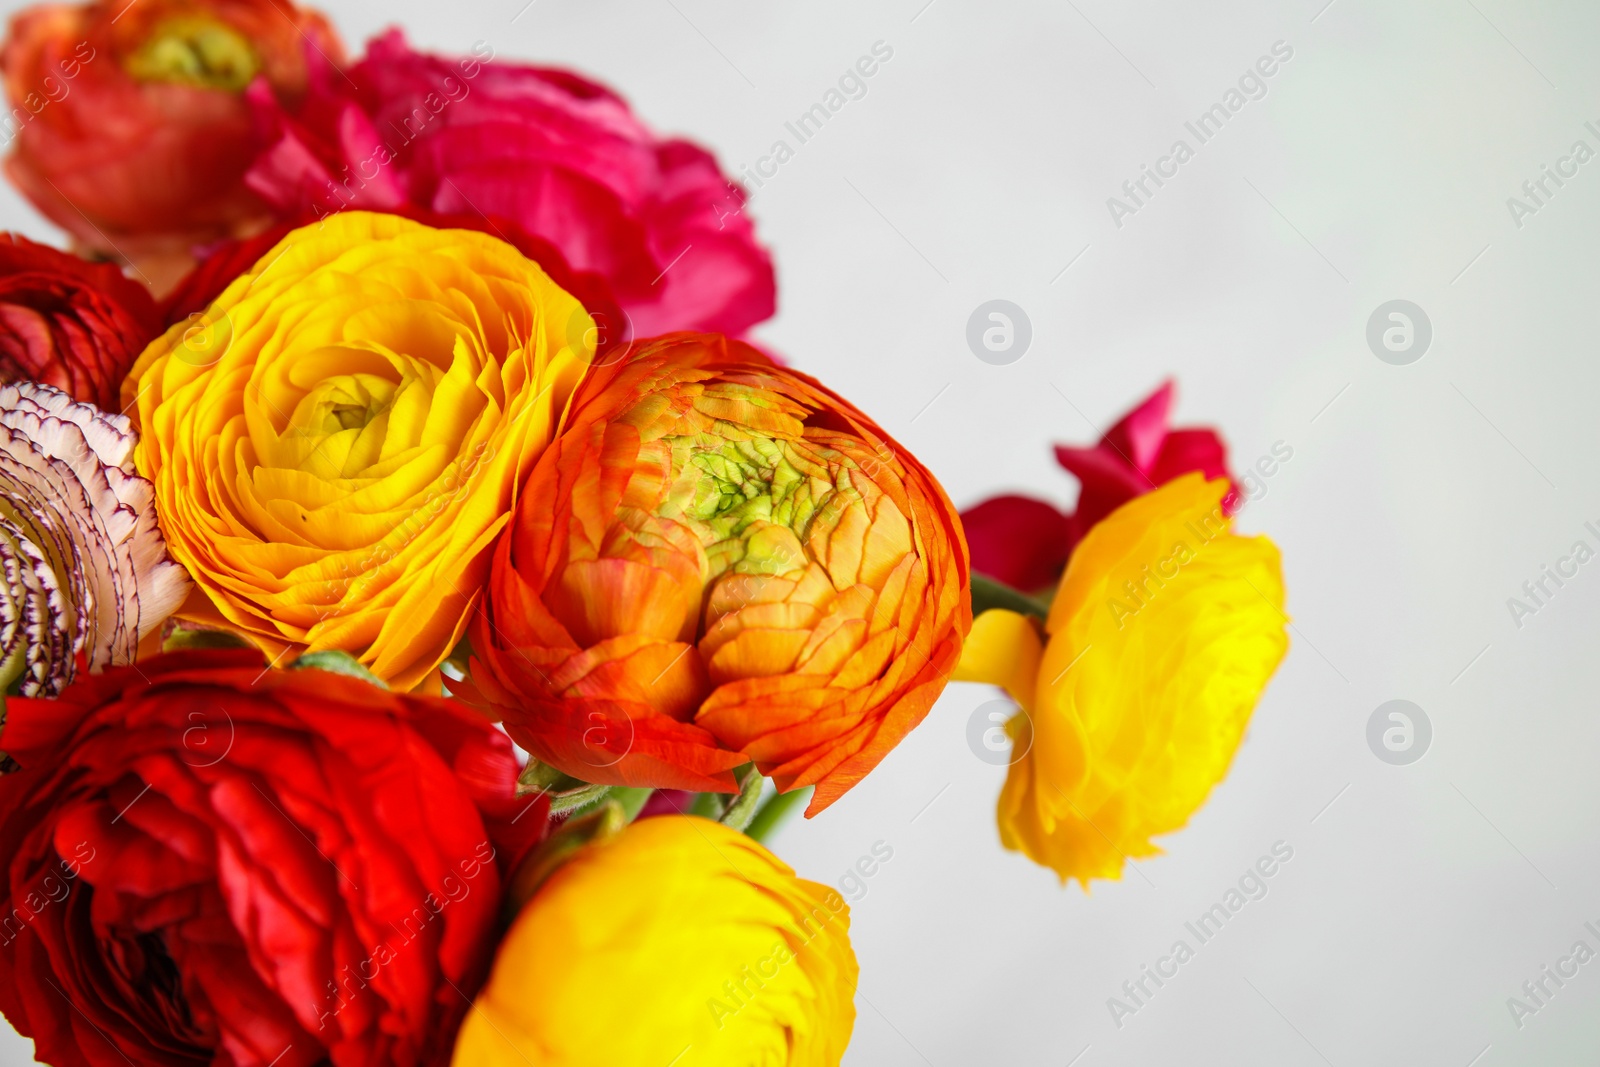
{"x": 210, "y": 862}
{"x": 132, "y": 131}
{"x": 1025, "y": 542}
{"x": 561, "y": 156}
{"x": 70, "y": 323}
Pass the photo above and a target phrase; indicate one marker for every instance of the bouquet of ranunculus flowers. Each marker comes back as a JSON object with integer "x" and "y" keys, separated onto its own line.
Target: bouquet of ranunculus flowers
{"x": 419, "y": 600}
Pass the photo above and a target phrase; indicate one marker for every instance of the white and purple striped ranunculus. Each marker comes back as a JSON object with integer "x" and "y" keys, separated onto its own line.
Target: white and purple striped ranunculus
{"x": 84, "y": 572}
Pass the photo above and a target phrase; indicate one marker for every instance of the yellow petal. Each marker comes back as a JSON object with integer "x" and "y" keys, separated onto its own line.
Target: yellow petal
{"x": 1003, "y": 649}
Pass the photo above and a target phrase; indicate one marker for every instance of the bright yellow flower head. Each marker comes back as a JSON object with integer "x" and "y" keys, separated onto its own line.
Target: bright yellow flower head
{"x": 1165, "y": 630}
{"x": 679, "y": 941}
{"x": 335, "y": 442}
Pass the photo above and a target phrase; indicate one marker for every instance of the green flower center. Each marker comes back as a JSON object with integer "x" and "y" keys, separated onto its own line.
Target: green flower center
{"x": 196, "y": 51}
{"x": 752, "y": 500}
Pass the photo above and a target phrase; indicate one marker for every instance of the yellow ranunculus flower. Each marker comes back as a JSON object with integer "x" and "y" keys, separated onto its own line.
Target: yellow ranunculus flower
{"x": 336, "y": 441}
{"x": 1165, "y": 630}
{"x": 679, "y": 941}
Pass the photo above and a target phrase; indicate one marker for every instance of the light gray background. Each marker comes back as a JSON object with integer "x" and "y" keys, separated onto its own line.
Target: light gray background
{"x": 1418, "y": 499}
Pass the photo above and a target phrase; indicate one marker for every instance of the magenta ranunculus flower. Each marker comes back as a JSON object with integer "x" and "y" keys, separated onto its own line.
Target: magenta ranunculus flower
{"x": 560, "y": 156}
{"x": 1024, "y": 542}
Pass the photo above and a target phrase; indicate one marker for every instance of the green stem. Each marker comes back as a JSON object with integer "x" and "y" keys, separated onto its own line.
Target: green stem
{"x": 771, "y": 815}
{"x": 742, "y": 808}
{"x": 988, "y": 593}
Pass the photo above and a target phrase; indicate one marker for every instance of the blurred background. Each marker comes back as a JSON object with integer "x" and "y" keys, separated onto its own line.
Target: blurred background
{"x": 1428, "y": 480}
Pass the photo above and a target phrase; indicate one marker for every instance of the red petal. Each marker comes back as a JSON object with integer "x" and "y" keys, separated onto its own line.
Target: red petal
{"x": 1017, "y": 540}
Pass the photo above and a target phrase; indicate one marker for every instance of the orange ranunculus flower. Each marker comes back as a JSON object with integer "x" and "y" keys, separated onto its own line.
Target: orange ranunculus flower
{"x": 336, "y": 443}
{"x": 719, "y": 561}
{"x": 131, "y": 124}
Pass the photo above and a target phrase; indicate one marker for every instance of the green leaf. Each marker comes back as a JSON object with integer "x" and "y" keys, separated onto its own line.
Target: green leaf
{"x": 181, "y": 639}
{"x": 566, "y": 793}
{"x": 988, "y": 593}
{"x": 335, "y": 661}
{"x": 539, "y": 777}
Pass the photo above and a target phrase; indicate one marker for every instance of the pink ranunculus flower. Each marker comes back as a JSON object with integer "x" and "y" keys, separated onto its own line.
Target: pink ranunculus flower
{"x": 562, "y": 157}
{"x": 1024, "y": 542}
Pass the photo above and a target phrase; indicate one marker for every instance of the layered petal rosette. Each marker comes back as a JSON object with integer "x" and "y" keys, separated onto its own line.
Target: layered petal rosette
{"x": 210, "y": 862}
{"x": 132, "y": 129}
{"x": 679, "y": 941}
{"x": 70, "y": 323}
{"x": 561, "y": 157}
{"x": 225, "y": 260}
{"x": 335, "y": 442}
{"x": 1165, "y": 630}
{"x": 718, "y": 561}
{"x": 86, "y": 573}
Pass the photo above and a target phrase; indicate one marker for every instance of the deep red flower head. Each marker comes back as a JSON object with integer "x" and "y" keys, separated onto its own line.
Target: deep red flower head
{"x": 562, "y": 157}
{"x": 1024, "y": 542}
{"x": 70, "y": 323}
{"x": 211, "y": 862}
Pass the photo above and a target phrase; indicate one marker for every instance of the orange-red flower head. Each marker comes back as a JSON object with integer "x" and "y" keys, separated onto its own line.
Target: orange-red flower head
{"x": 131, "y": 126}
{"x": 720, "y": 561}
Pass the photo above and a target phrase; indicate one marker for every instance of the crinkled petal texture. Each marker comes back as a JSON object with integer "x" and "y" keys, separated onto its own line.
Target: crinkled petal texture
{"x": 84, "y": 573}
{"x": 132, "y": 131}
{"x": 336, "y": 443}
{"x": 70, "y": 323}
{"x": 679, "y": 942}
{"x": 721, "y": 561}
{"x": 1165, "y": 631}
{"x": 209, "y": 862}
